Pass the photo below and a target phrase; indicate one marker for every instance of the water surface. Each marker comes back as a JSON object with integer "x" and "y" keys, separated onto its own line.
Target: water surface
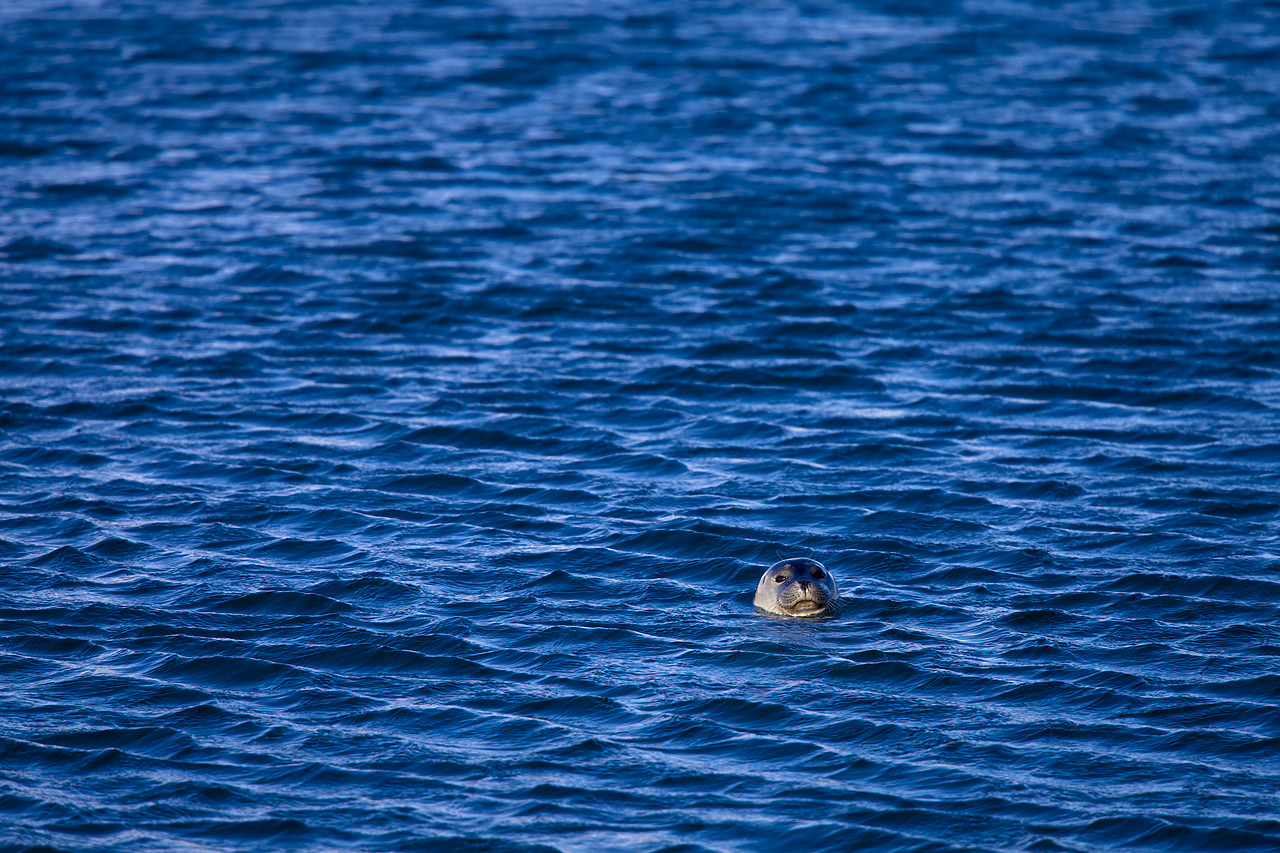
{"x": 401, "y": 400}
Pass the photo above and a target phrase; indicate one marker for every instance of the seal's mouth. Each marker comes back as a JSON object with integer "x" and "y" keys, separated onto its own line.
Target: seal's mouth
{"x": 808, "y": 606}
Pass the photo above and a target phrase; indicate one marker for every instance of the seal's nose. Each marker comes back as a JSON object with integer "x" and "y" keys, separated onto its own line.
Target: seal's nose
{"x": 804, "y": 585}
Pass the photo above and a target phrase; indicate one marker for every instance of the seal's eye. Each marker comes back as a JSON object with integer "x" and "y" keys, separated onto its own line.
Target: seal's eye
{"x": 818, "y": 574}
{"x": 780, "y": 578}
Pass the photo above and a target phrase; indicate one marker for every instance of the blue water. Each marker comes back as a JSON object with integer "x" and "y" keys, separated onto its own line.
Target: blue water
{"x": 400, "y": 402}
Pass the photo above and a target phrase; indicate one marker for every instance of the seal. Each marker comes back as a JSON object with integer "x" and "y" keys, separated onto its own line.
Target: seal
{"x": 797, "y": 587}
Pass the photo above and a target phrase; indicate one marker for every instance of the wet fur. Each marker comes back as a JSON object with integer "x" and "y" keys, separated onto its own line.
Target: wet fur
{"x": 801, "y": 583}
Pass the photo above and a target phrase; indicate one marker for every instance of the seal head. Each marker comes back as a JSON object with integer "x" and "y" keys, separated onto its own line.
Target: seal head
{"x": 797, "y": 587}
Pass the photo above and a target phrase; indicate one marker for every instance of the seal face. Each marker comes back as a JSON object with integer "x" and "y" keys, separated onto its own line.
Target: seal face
{"x": 797, "y": 587}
